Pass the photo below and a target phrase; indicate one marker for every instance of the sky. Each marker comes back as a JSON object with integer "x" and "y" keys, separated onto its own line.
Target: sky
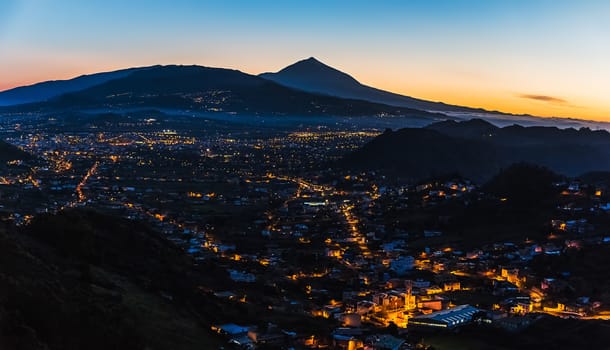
{"x": 542, "y": 57}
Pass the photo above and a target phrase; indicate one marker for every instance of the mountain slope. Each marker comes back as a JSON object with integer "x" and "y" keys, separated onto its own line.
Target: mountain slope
{"x": 519, "y": 135}
{"x": 46, "y": 90}
{"x": 81, "y": 280}
{"x": 422, "y": 153}
{"x": 477, "y": 150}
{"x": 10, "y": 152}
{"x": 215, "y": 89}
{"x": 314, "y": 76}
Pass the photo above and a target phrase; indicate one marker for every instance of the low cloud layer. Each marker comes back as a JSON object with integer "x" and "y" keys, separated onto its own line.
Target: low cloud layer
{"x": 543, "y": 98}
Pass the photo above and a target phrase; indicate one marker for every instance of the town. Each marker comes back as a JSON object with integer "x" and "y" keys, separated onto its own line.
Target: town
{"x": 379, "y": 260}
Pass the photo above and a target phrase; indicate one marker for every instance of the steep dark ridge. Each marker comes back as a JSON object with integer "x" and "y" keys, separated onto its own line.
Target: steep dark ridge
{"x": 423, "y": 153}
{"x": 477, "y": 150}
{"x": 515, "y": 134}
{"x": 474, "y": 128}
{"x": 10, "y": 152}
{"x": 82, "y": 280}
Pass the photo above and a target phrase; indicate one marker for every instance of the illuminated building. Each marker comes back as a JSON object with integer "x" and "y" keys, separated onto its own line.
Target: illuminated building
{"x": 450, "y": 318}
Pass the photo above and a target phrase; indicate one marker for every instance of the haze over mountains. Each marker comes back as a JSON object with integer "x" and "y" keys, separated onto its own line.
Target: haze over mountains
{"x": 307, "y": 87}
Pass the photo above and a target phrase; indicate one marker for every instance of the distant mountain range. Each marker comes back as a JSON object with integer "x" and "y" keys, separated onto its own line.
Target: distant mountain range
{"x": 207, "y": 89}
{"x": 308, "y": 87}
{"x": 477, "y": 149}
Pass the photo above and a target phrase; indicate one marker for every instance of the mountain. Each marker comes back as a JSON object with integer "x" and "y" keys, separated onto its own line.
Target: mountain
{"x": 524, "y": 185}
{"x": 474, "y": 128}
{"x": 314, "y": 76}
{"x": 477, "y": 149}
{"x": 422, "y": 153}
{"x": 207, "y": 89}
{"x": 82, "y": 280}
{"x": 10, "y": 152}
{"x": 288, "y": 92}
{"x": 46, "y": 90}
{"x": 515, "y": 135}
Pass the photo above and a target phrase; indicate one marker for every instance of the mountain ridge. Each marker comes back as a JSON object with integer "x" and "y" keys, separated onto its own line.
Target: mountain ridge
{"x": 312, "y": 75}
{"x": 477, "y": 150}
{"x": 351, "y": 88}
{"x": 309, "y": 76}
{"x": 192, "y": 87}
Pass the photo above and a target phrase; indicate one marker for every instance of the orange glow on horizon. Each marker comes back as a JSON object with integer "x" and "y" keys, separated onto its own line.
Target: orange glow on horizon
{"x": 522, "y": 57}
{"x": 460, "y": 91}
{"x": 497, "y": 98}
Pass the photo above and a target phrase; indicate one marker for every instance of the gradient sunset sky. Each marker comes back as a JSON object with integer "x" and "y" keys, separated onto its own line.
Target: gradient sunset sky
{"x": 543, "y": 57}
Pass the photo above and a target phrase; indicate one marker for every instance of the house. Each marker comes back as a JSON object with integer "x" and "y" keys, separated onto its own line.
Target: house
{"x": 447, "y": 319}
{"x": 449, "y": 286}
{"x": 431, "y": 290}
{"x": 433, "y": 302}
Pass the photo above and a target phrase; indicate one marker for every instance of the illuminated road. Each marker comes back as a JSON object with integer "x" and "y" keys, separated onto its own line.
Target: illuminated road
{"x": 346, "y": 212}
{"x": 79, "y": 187}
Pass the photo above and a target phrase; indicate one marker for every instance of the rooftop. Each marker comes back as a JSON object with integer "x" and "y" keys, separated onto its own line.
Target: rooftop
{"x": 447, "y": 318}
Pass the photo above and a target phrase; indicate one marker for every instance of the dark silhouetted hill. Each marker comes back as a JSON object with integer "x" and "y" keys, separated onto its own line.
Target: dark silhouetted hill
{"x": 10, "y": 152}
{"x": 476, "y": 149}
{"x": 600, "y": 178}
{"x": 510, "y": 135}
{"x": 81, "y": 280}
{"x": 523, "y": 184}
{"x": 425, "y": 153}
{"x": 473, "y": 128}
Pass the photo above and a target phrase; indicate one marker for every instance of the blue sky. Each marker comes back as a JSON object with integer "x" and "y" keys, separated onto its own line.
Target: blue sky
{"x": 483, "y": 53}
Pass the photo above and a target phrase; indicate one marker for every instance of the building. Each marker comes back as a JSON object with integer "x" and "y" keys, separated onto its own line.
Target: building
{"x": 431, "y": 302}
{"x": 449, "y": 286}
{"x": 450, "y": 318}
